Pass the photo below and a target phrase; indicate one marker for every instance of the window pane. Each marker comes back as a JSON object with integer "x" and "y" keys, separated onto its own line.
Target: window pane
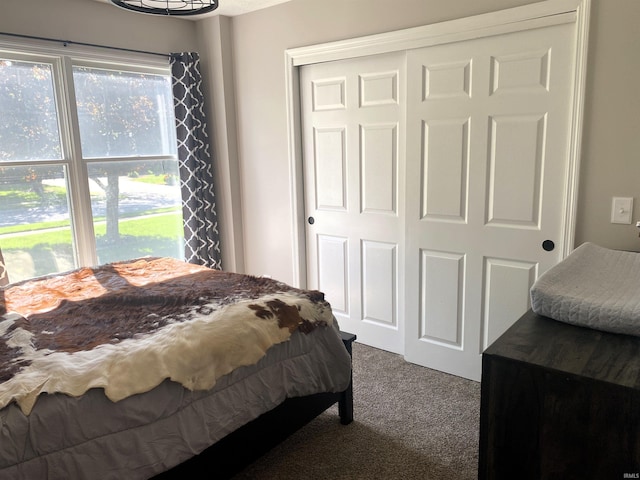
{"x": 137, "y": 209}
{"x": 124, "y": 114}
{"x": 35, "y": 232}
{"x": 28, "y": 118}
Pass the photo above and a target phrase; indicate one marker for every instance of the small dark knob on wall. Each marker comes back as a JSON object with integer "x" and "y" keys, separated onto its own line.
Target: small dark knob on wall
{"x": 311, "y": 220}
{"x": 548, "y": 245}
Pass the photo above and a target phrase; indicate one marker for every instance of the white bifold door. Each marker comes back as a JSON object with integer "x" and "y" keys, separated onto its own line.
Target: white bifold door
{"x": 436, "y": 186}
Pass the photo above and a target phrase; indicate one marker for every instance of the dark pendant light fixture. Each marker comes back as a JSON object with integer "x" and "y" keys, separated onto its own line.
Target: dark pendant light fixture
{"x": 168, "y": 7}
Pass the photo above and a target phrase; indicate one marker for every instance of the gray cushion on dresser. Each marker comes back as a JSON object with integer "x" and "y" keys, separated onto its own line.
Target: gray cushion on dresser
{"x": 593, "y": 287}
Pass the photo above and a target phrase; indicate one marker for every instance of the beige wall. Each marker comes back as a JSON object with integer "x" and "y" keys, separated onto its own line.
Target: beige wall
{"x": 610, "y": 163}
{"x": 216, "y": 54}
{"x": 99, "y": 23}
{"x": 611, "y": 136}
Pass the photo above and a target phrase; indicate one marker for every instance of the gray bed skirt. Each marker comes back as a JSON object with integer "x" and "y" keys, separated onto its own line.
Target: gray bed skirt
{"x": 91, "y": 437}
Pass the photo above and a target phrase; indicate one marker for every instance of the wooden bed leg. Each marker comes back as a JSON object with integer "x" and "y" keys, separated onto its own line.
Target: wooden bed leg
{"x": 345, "y": 404}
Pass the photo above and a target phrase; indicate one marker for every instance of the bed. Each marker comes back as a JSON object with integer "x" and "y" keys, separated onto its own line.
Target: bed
{"x": 156, "y": 367}
{"x": 561, "y": 388}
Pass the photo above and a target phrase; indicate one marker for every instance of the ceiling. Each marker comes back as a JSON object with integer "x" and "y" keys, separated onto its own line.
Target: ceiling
{"x": 231, "y": 8}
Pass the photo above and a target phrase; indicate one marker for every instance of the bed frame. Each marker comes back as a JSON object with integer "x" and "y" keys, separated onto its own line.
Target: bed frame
{"x": 237, "y": 450}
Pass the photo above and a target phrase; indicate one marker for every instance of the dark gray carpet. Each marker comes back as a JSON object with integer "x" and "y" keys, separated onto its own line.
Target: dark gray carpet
{"x": 410, "y": 423}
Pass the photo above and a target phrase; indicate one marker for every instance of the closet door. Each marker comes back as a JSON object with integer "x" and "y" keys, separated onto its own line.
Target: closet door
{"x": 353, "y": 114}
{"x": 487, "y": 158}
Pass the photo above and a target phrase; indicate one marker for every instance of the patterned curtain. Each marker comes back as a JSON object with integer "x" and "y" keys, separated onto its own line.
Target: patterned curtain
{"x": 202, "y": 239}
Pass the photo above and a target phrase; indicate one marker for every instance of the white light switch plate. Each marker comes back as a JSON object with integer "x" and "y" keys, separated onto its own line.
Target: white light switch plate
{"x": 622, "y": 210}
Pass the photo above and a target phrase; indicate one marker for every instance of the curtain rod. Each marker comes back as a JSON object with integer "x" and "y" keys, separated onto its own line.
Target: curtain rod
{"x": 71, "y": 42}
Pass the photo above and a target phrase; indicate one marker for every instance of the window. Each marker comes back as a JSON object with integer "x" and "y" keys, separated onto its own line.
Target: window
{"x": 88, "y": 163}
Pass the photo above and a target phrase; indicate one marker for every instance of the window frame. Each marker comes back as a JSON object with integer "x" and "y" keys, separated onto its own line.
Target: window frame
{"x": 62, "y": 60}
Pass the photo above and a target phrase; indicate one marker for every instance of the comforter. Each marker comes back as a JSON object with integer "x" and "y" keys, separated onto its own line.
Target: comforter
{"x": 126, "y": 327}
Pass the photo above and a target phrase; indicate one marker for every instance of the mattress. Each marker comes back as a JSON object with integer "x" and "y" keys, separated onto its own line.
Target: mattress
{"x": 593, "y": 287}
{"x": 93, "y": 437}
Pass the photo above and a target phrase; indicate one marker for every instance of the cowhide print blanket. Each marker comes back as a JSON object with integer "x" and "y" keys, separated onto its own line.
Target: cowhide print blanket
{"x": 125, "y": 327}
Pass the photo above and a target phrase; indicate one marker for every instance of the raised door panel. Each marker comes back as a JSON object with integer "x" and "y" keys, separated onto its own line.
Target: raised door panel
{"x": 442, "y": 298}
{"x": 515, "y": 170}
{"x": 333, "y": 272}
{"x": 505, "y": 295}
{"x": 378, "y": 168}
{"x": 330, "y": 168}
{"x": 380, "y": 283}
{"x": 444, "y": 172}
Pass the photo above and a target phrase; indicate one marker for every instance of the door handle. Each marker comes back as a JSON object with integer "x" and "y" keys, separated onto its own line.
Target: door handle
{"x": 311, "y": 220}
{"x": 548, "y": 245}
